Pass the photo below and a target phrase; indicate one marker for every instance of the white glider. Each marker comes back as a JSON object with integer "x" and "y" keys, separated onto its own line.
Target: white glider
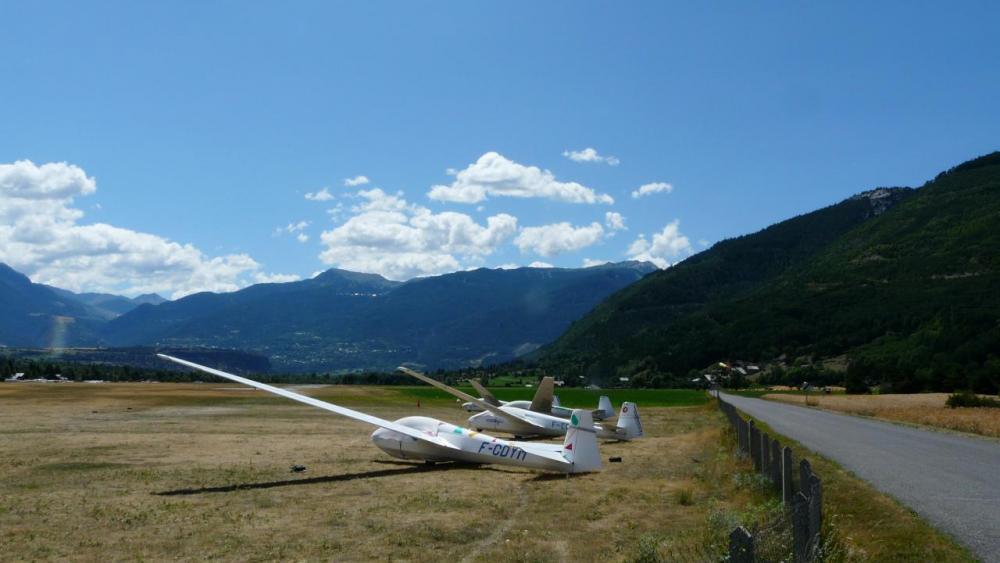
{"x": 544, "y": 402}
{"x": 427, "y": 439}
{"x": 523, "y": 422}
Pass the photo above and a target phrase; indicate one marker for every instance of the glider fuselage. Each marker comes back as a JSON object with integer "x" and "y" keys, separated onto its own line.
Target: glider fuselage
{"x": 546, "y": 425}
{"x": 470, "y": 446}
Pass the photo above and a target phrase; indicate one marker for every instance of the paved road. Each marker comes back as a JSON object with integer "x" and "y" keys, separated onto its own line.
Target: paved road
{"x": 952, "y": 481}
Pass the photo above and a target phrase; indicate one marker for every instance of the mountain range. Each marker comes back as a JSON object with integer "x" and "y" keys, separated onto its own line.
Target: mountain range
{"x": 903, "y": 284}
{"x": 900, "y": 285}
{"x": 336, "y": 321}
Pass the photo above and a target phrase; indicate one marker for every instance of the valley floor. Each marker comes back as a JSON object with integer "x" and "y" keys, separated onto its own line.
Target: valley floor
{"x": 201, "y": 471}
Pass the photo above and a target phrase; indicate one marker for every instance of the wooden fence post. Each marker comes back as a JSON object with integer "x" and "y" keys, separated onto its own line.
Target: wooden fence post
{"x": 741, "y": 546}
{"x": 739, "y": 436}
{"x": 787, "y": 488}
{"x": 805, "y": 471}
{"x": 745, "y": 437}
{"x": 755, "y": 446}
{"x": 800, "y": 527}
{"x": 815, "y": 507}
{"x": 765, "y": 454}
{"x": 776, "y": 464}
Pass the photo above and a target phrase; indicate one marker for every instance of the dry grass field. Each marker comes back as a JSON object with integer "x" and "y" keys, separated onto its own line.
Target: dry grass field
{"x": 201, "y": 471}
{"x": 924, "y": 408}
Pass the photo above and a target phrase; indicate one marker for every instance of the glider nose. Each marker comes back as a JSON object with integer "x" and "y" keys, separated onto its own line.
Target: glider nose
{"x": 382, "y": 436}
{"x": 481, "y": 421}
{"x": 389, "y": 442}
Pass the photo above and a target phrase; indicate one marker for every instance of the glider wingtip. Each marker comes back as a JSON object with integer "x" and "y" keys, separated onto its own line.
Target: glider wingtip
{"x": 171, "y": 358}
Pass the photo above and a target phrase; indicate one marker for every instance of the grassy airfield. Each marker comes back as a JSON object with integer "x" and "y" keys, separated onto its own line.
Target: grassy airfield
{"x": 201, "y": 471}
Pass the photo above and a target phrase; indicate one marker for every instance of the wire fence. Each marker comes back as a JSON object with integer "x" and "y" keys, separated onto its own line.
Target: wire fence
{"x": 794, "y": 533}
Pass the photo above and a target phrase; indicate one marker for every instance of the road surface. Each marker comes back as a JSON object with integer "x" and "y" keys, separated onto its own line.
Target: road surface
{"x": 952, "y": 481}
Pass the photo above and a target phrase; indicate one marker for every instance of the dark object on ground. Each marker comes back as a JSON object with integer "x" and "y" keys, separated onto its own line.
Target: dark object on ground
{"x": 615, "y": 459}
{"x": 970, "y": 399}
{"x": 298, "y": 468}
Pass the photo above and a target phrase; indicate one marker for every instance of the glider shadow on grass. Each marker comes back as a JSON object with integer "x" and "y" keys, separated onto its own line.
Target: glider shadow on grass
{"x": 406, "y": 470}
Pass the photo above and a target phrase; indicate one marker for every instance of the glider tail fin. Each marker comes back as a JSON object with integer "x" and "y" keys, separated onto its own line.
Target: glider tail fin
{"x": 629, "y": 426}
{"x": 605, "y": 408}
{"x": 580, "y": 445}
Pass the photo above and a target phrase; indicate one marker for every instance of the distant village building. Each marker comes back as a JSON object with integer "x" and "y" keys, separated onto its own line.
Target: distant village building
{"x": 19, "y": 377}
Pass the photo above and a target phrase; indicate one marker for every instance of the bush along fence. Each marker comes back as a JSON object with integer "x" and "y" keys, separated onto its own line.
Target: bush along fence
{"x": 803, "y": 503}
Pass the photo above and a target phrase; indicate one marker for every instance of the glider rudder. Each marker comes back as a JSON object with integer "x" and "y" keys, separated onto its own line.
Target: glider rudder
{"x": 580, "y": 445}
{"x": 629, "y": 424}
{"x": 604, "y": 405}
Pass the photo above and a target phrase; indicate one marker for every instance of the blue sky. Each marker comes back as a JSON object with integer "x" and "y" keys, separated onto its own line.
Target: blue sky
{"x": 191, "y": 132}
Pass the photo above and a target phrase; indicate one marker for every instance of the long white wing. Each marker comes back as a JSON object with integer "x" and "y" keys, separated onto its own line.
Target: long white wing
{"x": 374, "y": 420}
{"x": 484, "y": 392}
{"x": 515, "y": 419}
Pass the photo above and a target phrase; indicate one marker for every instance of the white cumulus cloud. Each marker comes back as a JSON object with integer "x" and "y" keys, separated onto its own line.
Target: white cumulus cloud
{"x": 590, "y": 263}
{"x": 652, "y": 188}
{"x": 494, "y": 175}
{"x": 549, "y": 240}
{"x": 291, "y": 228}
{"x": 664, "y": 248}
{"x": 399, "y": 240}
{"x": 53, "y": 180}
{"x": 540, "y": 264}
{"x": 614, "y": 221}
{"x": 590, "y": 154}
{"x": 41, "y": 235}
{"x": 322, "y": 195}
{"x": 358, "y": 180}
{"x": 261, "y": 277}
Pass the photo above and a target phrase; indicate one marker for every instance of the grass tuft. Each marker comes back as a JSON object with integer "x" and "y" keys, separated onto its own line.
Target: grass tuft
{"x": 970, "y": 399}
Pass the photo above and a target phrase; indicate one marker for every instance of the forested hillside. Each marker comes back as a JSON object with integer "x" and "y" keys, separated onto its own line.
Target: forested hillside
{"x": 903, "y": 282}
{"x": 33, "y": 314}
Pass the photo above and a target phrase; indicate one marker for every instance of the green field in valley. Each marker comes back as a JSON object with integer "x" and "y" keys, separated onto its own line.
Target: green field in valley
{"x": 584, "y": 398}
{"x": 358, "y": 395}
